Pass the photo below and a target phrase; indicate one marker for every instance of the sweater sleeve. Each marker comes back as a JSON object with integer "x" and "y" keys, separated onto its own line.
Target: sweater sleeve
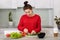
{"x": 38, "y": 29}
{"x": 20, "y": 25}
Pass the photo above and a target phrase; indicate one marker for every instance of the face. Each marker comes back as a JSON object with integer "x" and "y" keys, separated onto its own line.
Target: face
{"x": 28, "y": 11}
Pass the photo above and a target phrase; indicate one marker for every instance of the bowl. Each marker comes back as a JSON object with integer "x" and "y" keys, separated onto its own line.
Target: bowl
{"x": 41, "y": 35}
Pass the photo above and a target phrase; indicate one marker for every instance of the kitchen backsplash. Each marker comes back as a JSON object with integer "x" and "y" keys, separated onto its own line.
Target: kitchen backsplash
{"x": 46, "y": 16}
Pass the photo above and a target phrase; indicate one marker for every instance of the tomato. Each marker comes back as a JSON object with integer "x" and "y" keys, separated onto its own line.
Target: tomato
{"x": 24, "y": 34}
{"x": 7, "y": 35}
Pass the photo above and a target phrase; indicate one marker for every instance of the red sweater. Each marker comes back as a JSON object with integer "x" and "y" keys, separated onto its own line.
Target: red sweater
{"x": 31, "y": 23}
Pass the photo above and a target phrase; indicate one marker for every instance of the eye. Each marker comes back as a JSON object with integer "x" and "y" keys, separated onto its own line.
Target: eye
{"x": 27, "y": 12}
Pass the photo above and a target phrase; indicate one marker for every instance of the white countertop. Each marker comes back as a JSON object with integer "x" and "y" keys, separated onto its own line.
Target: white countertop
{"x": 48, "y": 36}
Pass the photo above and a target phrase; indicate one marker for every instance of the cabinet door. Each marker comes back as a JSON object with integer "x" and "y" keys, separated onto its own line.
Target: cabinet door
{"x": 5, "y": 4}
{"x": 20, "y": 3}
{"x": 56, "y": 8}
{"x": 43, "y": 4}
{"x": 51, "y": 3}
{"x": 14, "y": 4}
{"x": 8, "y": 4}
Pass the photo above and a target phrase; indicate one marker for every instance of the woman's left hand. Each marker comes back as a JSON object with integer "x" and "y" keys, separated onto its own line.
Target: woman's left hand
{"x": 33, "y": 32}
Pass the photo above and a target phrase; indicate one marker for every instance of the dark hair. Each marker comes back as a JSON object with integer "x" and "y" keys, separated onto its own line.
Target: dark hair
{"x": 27, "y": 6}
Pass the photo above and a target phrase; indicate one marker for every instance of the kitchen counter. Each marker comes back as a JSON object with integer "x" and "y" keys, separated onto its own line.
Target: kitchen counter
{"x": 48, "y": 36}
{"x": 33, "y": 38}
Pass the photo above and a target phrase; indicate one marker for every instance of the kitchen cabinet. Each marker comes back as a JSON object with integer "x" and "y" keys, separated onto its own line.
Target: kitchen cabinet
{"x": 14, "y": 4}
{"x": 44, "y": 4}
{"x": 20, "y": 3}
{"x": 36, "y": 3}
{"x": 57, "y": 8}
{"x": 8, "y": 4}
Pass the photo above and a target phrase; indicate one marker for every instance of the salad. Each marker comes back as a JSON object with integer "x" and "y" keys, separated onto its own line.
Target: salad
{"x": 16, "y": 35}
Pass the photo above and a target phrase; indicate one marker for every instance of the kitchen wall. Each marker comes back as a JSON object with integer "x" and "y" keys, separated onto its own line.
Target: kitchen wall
{"x": 46, "y": 16}
{"x": 56, "y": 10}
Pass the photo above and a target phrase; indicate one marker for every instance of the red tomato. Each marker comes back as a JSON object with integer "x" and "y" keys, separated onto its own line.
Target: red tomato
{"x": 7, "y": 35}
{"x": 24, "y": 34}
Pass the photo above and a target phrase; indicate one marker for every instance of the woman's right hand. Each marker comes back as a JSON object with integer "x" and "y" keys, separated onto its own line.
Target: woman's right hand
{"x": 26, "y": 30}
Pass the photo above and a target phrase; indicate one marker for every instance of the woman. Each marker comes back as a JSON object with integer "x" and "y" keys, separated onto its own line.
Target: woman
{"x": 29, "y": 22}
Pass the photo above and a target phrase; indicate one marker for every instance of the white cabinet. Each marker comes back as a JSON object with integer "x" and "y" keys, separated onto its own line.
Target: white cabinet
{"x": 36, "y": 3}
{"x": 20, "y": 3}
{"x": 57, "y": 8}
{"x": 7, "y": 4}
{"x": 51, "y": 3}
{"x": 14, "y": 4}
{"x": 43, "y": 3}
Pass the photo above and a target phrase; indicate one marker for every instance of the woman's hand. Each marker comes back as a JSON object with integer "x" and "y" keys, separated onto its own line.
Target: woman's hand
{"x": 33, "y": 32}
{"x": 26, "y": 30}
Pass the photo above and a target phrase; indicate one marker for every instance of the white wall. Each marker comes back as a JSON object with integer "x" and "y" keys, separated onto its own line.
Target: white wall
{"x": 4, "y": 18}
{"x": 46, "y": 16}
{"x": 56, "y": 9}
